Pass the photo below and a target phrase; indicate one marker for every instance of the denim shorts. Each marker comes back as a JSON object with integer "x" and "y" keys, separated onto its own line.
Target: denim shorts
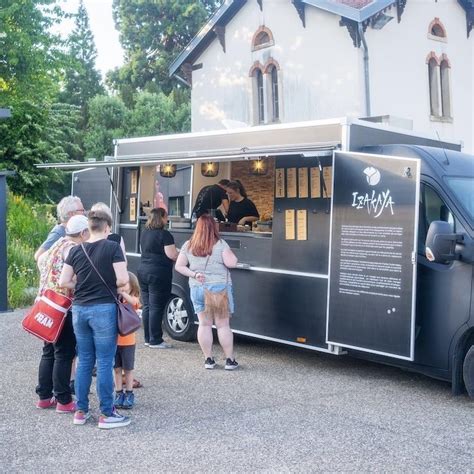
{"x": 197, "y": 295}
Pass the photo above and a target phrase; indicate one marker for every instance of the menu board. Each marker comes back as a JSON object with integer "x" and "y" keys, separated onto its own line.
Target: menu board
{"x": 315, "y": 183}
{"x": 373, "y": 242}
{"x": 134, "y": 182}
{"x": 302, "y": 182}
{"x": 133, "y": 208}
{"x": 290, "y": 224}
{"x": 291, "y": 183}
{"x": 327, "y": 177}
{"x": 302, "y": 224}
{"x": 280, "y": 182}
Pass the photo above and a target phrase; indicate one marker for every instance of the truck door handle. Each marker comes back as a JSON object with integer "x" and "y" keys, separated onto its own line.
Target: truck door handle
{"x": 243, "y": 266}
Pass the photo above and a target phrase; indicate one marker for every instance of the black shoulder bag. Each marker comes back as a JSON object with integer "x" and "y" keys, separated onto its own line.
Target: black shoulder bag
{"x": 128, "y": 320}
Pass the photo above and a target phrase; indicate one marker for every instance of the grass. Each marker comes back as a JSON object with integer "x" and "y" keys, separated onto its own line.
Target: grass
{"x": 28, "y": 224}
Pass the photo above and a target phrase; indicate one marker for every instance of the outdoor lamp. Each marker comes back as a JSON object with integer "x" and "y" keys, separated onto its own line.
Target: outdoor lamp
{"x": 168, "y": 170}
{"x": 258, "y": 167}
{"x": 210, "y": 169}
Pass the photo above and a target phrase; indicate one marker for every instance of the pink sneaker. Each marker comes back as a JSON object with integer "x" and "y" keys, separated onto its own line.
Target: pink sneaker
{"x": 66, "y": 408}
{"x": 80, "y": 417}
{"x": 46, "y": 403}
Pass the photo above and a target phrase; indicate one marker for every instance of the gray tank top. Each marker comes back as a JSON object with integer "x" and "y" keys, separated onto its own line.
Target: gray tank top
{"x": 215, "y": 271}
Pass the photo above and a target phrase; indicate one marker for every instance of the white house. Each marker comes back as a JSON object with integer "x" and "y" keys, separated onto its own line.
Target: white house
{"x": 265, "y": 61}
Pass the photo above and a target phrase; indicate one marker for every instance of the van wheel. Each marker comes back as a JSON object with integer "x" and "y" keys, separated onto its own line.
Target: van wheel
{"x": 179, "y": 320}
{"x": 468, "y": 371}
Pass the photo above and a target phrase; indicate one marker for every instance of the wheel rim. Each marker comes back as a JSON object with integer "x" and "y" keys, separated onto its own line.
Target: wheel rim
{"x": 177, "y": 315}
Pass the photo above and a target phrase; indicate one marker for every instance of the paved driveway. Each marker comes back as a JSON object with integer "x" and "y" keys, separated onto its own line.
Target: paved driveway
{"x": 285, "y": 410}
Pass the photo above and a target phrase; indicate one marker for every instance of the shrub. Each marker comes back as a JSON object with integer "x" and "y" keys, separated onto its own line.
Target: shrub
{"x": 28, "y": 223}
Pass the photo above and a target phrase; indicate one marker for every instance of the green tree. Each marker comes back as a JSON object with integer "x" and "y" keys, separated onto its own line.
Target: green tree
{"x": 155, "y": 114}
{"x": 152, "y": 33}
{"x": 36, "y": 134}
{"x": 82, "y": 80}
{"x": 31, "y": 57}
{"x": 107, "y": 120}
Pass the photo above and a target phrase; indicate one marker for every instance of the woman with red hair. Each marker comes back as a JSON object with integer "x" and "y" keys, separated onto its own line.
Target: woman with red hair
{"x": 206, "y": 259}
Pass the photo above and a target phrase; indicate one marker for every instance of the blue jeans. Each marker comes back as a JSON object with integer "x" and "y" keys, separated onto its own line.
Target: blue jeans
{"x": 96, "y": 331}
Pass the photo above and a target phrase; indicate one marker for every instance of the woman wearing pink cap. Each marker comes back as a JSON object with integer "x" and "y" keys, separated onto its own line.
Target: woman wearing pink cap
{"x": 55, "y": 367}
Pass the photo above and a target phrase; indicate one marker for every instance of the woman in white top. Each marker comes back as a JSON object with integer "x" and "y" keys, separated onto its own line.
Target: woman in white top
{"x": 209, "y": 259}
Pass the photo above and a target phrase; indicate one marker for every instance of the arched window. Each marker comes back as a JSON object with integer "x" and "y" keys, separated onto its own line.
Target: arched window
{"x": 275, "y": 102}
{"x": 445, "y": 88}
{"x": 437, "y": 31}
{"x": 259, "y": 102}
{"x": 433, "y": 75}
{"x": 263, "y": 38}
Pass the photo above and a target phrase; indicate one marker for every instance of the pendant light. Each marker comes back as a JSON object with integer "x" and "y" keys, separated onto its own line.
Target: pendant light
{"x": 258, "y": 167}
{"x": 210, "y": 169}
{"x": 168, "y": 170}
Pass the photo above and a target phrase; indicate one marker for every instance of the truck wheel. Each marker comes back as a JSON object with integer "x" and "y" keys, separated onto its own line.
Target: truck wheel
{"x": 468, "y": 371}
{"x": 179, "y": 320}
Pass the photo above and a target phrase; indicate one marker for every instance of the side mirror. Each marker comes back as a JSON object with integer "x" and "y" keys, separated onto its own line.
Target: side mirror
{"x": 441, "y": 242}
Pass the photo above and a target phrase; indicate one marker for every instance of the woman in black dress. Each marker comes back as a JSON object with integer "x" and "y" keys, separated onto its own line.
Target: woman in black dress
{"x": 155, "y": 274}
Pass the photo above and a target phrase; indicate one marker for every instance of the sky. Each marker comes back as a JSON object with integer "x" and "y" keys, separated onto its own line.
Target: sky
{"x": 109, "y": 51}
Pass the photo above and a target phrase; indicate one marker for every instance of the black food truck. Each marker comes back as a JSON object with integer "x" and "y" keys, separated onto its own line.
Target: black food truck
{"x": 364, "y": 245}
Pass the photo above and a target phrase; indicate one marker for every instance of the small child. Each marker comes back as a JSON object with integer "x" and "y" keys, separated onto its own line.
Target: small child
{"x": 125, "y": 355}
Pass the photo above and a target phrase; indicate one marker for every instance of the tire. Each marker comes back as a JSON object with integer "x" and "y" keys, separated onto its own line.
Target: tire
{"x": 468, "y": 371}
{"x": 178, "y": 319}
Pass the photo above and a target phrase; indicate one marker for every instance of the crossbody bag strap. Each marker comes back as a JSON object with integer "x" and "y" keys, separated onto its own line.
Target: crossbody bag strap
{"x": 98, "y": 273}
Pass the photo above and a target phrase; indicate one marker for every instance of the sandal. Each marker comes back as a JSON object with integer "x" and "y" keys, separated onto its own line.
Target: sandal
{"x": 136, "y": 383}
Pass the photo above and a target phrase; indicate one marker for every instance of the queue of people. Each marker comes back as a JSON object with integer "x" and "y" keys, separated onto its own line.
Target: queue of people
{"x": 82, "y": 259}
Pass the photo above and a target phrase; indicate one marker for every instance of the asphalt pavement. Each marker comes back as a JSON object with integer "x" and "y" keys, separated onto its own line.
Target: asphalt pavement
{"x": 284, "y": 410}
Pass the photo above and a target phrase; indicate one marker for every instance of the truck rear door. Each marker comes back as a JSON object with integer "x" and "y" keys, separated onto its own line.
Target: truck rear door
{"x": 372, "y": 271}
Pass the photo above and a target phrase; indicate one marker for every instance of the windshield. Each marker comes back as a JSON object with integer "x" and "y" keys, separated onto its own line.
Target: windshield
{"x": 463, "y": 189}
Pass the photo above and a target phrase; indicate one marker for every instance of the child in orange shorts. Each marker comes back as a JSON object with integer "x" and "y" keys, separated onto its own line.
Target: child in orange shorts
{"x": 125, "y": 355}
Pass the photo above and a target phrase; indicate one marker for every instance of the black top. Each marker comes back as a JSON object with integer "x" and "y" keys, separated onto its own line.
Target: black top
{"x": 210, "y": 197}
{"x": 244, "y": 208}
{"x": 89, "y": 287}
{"x": 154, "y": 259}
{"x": 114, "y": 238}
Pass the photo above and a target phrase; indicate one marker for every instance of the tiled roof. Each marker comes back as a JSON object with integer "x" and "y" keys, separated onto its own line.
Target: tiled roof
{"x": 354, "y": 3}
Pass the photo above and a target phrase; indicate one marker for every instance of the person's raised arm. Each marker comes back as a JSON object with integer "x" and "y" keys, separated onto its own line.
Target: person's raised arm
{"x": 66, "y": 280}
{"x": 171, "y": 252}
{"x": 229, "y": 258}
{"x": 225, "y": 206}
{"x": 121, "y": 273}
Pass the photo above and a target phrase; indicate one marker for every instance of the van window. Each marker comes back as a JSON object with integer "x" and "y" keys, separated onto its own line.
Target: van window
{"x": 432, "y": 208}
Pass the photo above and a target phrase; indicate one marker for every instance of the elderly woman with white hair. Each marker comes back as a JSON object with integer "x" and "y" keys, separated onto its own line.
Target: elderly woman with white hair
{"x": 68, "y": 206}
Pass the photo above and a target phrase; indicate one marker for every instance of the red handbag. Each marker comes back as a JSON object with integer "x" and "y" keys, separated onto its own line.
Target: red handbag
{"x": 46, "y": 318}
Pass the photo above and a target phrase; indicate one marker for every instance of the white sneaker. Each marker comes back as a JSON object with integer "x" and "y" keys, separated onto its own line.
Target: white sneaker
{"x": 113, "y": 421}
{"x": 163, "y": 345}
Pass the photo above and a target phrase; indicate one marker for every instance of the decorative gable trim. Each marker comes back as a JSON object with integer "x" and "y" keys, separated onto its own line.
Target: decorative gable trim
{"x": 220, "y": 33}
{"x": 300, "y": 8}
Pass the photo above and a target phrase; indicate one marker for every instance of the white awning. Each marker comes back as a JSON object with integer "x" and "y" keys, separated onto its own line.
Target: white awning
{"x": 221, "y": 145}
